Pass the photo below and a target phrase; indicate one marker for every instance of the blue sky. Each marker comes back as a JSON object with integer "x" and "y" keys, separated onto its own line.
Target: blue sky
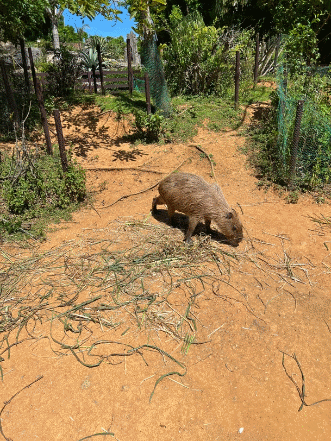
{"x": 101, "y": 26}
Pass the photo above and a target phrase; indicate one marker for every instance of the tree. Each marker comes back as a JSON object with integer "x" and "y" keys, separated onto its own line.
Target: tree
{"x": 90, "y": 8}
{"x": 142, "y": 11}
{"x": 20, "y": 16}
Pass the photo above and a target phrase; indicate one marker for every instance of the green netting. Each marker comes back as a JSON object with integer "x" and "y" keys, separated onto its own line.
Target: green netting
{"x": 313, "y": 166}
{"x": 151, "y": 60}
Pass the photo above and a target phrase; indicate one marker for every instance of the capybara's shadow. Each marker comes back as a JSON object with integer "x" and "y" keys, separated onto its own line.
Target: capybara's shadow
{"x": 180, "y": 221}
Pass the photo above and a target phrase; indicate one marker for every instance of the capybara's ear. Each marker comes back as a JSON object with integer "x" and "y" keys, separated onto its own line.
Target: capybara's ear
{"x": 229, "y": 215}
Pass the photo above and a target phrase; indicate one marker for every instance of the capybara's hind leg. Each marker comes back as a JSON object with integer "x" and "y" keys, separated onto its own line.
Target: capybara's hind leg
{"x": 171, "y": 213}
{"x": 157, "y": 201}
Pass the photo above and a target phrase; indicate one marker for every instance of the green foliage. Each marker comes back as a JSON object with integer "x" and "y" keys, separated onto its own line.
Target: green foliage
{"x": 19, "y": 16}
{"x": 199, "y": 111}
{"x": 63, "y": 73}
{"x": 270, "y": 149}
{"x": 89, "y": 58}
{"x": 91, "y": 8}
{"x": 190, "y": 112}
{"x": 68, "y": 34}
{"x": 26, "y": 105}
{"x": 149, "y": 127}
{"x": 35, "y": 191}
{"x": 41, "y": 184}
{"x": 262, "y": 147}
{"x": 141, "y": 11}
{"x": 94, "y": 40}
{"x": 301, "y": 47}
{"x": 121, "y": 103}
{"x": 115, "y": 47}
{"x": 111, "y": 48}
{"x": 201, "y": 59}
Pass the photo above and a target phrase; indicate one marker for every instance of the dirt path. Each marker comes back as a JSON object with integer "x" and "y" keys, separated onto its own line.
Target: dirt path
{"x": 276, "y": 301}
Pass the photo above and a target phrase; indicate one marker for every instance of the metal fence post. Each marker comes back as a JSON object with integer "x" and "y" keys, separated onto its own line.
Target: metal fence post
{"x": 295, "y": 142}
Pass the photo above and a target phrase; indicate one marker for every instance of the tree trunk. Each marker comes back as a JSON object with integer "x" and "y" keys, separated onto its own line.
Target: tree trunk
{"x": 56, "y": 38}
{"x": 55, "y": 13}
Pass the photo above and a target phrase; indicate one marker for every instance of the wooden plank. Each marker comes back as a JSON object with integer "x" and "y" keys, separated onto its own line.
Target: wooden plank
{"x": 121, "y": 87}
{"x": 115, "y": 80}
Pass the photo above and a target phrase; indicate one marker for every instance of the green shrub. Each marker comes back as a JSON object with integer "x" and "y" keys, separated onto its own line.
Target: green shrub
{"x": 63, "y": 73}
{"x": 201, "y": 59}
{"x": 41, "y": 183}
{"x": 149, "y": 127}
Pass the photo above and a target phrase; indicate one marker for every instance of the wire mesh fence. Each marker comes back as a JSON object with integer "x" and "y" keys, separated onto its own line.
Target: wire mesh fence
{"x": 313, "y": 156}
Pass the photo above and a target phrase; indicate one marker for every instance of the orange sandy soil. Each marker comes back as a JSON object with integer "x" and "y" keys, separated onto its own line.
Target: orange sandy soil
{"x": 236, "y": 387}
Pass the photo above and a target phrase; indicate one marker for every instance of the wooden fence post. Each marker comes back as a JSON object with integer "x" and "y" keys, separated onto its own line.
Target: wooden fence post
{"x": 63, "y": 155}
{"x": 25, "y": 65}
{"x": 33, "y": 70}
{"x": 295, "y": 142}
{"x": 94, "y": 79}
{"x": 100, "y": 68}
{"x": 43, "y": 115}
{"x": 89, "y": 81}
{"x": 237, "y": 78}
{"x": 10, "y": 94}
{"x": 42, "y": 109}
{"x": 130, "y": 72}
{"x": 148, "y": 94}
{"x": 256, "y": 65}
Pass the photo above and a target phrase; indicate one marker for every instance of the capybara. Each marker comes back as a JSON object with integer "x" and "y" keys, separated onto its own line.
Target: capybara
{"x": 200, "y": 201}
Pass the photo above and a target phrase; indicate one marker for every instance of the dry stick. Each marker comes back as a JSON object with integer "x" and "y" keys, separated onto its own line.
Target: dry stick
{"x": 143, "y": 191}
{"x": 208, "y": 157}
{"x": 302, "y": 393}
{"x": 10, "y": 400}
{"x": 123, "y": 169}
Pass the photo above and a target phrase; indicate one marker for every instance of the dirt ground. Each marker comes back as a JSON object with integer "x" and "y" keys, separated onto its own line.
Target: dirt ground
{"x": 237, "y": 384}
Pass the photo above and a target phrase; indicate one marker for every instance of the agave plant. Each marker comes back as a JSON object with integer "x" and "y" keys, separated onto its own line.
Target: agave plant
{"x": 89, "y": 58}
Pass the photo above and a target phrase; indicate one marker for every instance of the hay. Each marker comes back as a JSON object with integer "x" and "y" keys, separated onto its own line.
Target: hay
{"x": 123, "y": 279}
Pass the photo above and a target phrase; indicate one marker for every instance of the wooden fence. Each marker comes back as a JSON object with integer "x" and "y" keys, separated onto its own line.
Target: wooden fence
{"x": 112, "y": 79}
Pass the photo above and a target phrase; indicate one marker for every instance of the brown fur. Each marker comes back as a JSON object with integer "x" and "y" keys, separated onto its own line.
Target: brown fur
{"x": 200, "y": 201}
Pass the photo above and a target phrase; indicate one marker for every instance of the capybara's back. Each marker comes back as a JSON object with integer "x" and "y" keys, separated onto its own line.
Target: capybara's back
{"x": 193, "y": 196}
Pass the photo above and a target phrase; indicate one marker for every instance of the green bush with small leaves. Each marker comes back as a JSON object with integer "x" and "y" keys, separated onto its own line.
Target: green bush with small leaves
{"x": 41, "y": 183}
{"x": 149, "y": 127}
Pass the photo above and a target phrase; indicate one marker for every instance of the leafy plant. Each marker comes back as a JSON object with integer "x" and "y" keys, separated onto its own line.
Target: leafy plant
{"x": 63, "y": 73}
{"x": 200, "y": 59}
{"x": 41, "y": 182}
{"x": 89, "y": 58}
{"x": 149, "y": 127}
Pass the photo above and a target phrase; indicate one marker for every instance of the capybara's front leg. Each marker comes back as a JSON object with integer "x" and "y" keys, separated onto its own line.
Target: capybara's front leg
{"x": 192, "y": 223}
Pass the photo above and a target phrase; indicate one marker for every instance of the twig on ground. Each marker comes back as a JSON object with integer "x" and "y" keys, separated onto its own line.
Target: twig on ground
{"x": 11, "y": 399}
{"x": 301, "y": 392}
{"x": 142, "y": 191}
{"x": 123, "y": 169}
{"x": 208, "y": 157}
